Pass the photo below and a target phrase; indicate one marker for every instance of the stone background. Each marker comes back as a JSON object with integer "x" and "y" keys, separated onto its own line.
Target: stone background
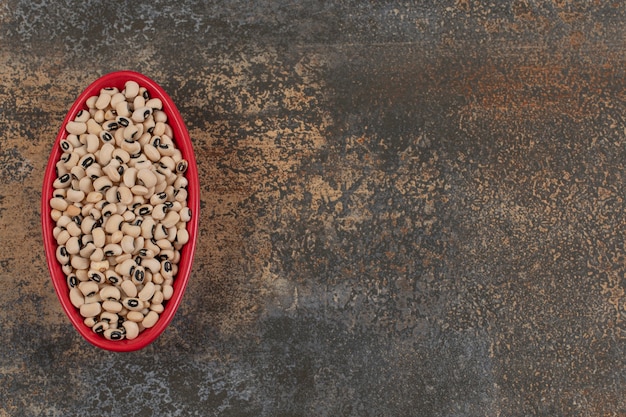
{"x": 408, "y": 209}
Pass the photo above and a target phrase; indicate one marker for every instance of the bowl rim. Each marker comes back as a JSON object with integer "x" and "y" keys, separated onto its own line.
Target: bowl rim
{"x": 184, "y": 144}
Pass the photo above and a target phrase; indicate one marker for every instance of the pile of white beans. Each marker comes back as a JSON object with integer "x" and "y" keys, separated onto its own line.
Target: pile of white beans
{"x": 120, "y": 207}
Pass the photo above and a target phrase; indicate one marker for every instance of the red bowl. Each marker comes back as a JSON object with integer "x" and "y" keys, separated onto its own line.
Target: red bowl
{"x": 183, "y": 143}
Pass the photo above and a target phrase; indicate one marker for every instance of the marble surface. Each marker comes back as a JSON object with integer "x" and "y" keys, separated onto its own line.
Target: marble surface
{"x": 407, "y": 209}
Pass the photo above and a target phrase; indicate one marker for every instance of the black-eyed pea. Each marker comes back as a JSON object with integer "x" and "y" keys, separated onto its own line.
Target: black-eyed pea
{"x": 71, "y": 159}
{"x": 164, "y": 244}
{"x": 159, "y": 211}
{"x": 76, "y": 297}
{"x": 157, "y": 298}
{"x": 92, "y": 141}
{"x": 85, "y": 184}
{"x": 125, "y": 268}
{"x": 169, "y": 132}
{"x": 113, "y": 223}
{"x": 166, "y": 269}
{"x": 55, "y": 215}
{"x": 168, "y": 292}
{"x": 88, "y": 224}
{"x": 157, "y": 308}
{"x": 109, "y": 317}
{"x": 141, "y": 113}
{"x": 147, "y": 227}
{"x": 133, "y": 304}
{"x": 63, "y": 237}
{"x": 129, "y": 288}
{"x": 93, "y": 127}
{"x": 94, "y": 197}
{"x": 63, "y": 181}
{"x": 97, "y": 276}
{"x": 170, "y": 219}
{"x": 82, "y": 274}
{"x": 106, "y": 137}
{"x": 75, "y": 196}
{"x": 110, "y": 292}
{"x": 181, "y": 166}
{"x": 123, "y": 109}
{"x": 131, "y": 328}
{"x": 138, "y": 275}
{"x": 59, "y": 203}
{"x": 72, "y": 280}
{"x": 118, "y": 135}
{"x": 73, "y": 229}
{"x": 158, "y": 198}
{"x": 100, "y": 265}
{"x": 99, "y": 237}
{"x": 109, "y": 209}
{"x": 131, "y": 90}
{"x": 110, "y": 195}
{"x": 146, "y": 292}
{"x": 112, "y": 306}
{"x": 132, "y": 147}
{"x": 112, "y": 249}
{"x": 113, "y": 277}
{"x": 182, "y": 237}
{"x": 90, "y": 309}
{"x": 150, "y": 320}
{"x": 151, "y": 152}
{"x": 88, "y": 288}
{"x": 102, "y": 184}
{"x": 171, "y": 233}
{"x": 72, "y": 210}
{"x": 117, "y": 98}
{"x": 124, "y": 195}
{"x": 82, "y": 116}
{"x": 121, "y": 155}
{"x": 128, "y": 215}
{"x": 114, "y": 334}
{"x": 159, "y": 232}
{"x": 150, "y": 244}
{"x": 155, "y": 104}
{"x": 139, "y": 244}
{"x": 62, "y": 255}
{"x": 90, "y": 321}
{"x": 97, "y": 255}
{"x": 116, "y": 237}
{"x": 128, "y": 244}
{"x": 59, "y": 192}
{"x": 103, "y": 101}
{"x": 100, "y": 327}
{"x": 160, "y": 116}
{"x": 135, "y": 316}
{"x": 86, "y": 250}
{"x": 76, "y": 128}
{"x": 152, "y": 264}
{"x": 138, "y": 102}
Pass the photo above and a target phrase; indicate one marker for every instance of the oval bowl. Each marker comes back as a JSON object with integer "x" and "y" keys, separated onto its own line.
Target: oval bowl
{"x": 183, "y": 143}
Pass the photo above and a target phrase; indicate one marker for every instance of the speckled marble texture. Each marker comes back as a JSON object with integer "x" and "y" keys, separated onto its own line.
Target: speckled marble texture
{"x": 407, "y": 209}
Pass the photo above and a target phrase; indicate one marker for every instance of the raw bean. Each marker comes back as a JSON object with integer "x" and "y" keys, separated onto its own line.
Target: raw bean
{"x": 90, "y": 309}
{"x": 76, "y": 297}
{"x": 129, "y": 288}
{"x": 131, "y": 89}
{"x": 110, "y": 292}
{"x": 59, "y": 203}
{"x": 133, "y": 304}
{"x": 157, "y": 308}
{"x": 76, "y": 128}
{"x": 100, "y": 327}
{"x": 131, "y": 328}
{"x": 150, "y": 319}
{"x": 147, "y": 292}
{"x": 112, "y": 306}
{"x": 88, "y": 288}
{"x": 168, "y": 291}
{"x": 113, "y": 334}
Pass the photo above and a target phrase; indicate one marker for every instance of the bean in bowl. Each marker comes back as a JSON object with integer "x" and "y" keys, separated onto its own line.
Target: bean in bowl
{"x": 120, "y": 210}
